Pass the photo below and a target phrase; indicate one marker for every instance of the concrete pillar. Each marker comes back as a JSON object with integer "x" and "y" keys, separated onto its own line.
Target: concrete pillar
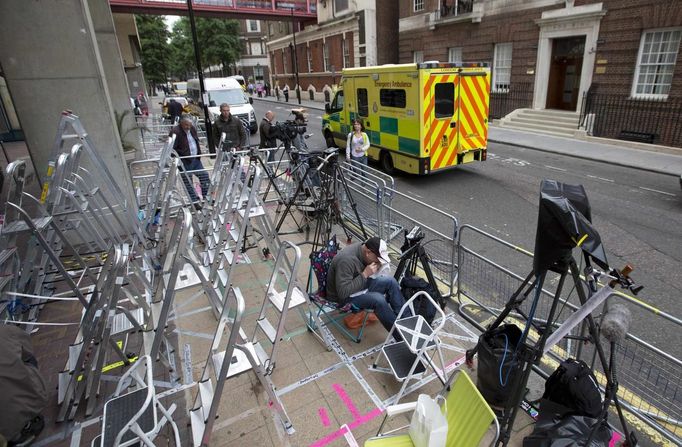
{"x": 60, "y": 55}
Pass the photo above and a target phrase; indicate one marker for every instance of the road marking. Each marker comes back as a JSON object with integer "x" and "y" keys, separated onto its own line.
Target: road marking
{"x": 656, "y": 190}
{"x": 601, "y": 178}
{"x": 555, "y": 168}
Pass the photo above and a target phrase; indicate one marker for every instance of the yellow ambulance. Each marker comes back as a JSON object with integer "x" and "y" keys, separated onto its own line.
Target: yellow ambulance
{"x": 420, "y": 118}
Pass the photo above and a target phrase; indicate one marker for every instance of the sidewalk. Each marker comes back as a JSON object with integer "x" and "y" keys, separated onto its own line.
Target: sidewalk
{"x": 662, "y": 160}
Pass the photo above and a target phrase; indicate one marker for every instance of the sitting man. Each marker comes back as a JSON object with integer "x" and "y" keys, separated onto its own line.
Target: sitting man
{"x": 355, "y": 276}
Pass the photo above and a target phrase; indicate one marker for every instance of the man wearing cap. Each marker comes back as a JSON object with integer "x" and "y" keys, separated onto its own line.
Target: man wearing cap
{"x": 355, "y": 276}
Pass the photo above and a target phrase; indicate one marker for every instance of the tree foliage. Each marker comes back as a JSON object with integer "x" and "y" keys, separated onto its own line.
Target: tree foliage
{"x": 218, "y": 42}
{"x": 154, "y": 47}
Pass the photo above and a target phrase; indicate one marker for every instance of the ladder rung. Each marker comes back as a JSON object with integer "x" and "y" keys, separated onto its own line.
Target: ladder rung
{"x": 198, "y": 425}
{"x": 277, "y": 298}
{"x": 268, "y": 329}
{"x": 122, "y": 324}
{"x": 7, "y": 253}
{"x": 206, "y": 395}
{"x": 255, "y": 212}
{"x": 19, "y": 225}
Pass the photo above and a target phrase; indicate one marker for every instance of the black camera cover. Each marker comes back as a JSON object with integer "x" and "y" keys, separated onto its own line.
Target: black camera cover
{"x": 564, "y": 223}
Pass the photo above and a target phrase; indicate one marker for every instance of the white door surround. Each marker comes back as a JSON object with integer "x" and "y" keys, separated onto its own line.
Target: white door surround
{"x": 566, "y": 22}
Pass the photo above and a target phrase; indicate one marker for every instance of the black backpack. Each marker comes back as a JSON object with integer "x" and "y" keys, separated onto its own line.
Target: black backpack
{"x": 574, "y": 387}
{"x": 410, "y": 285}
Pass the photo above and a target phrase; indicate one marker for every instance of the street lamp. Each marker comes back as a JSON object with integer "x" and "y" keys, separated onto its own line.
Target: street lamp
{"x": 293, "y": 24}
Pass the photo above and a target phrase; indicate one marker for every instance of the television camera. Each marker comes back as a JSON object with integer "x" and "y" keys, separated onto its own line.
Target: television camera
{"x": 288, "y": 130}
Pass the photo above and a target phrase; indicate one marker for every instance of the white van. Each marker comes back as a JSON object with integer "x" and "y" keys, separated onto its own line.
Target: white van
{"x": 223, "y": 90}
{"x": 240, "y": 79}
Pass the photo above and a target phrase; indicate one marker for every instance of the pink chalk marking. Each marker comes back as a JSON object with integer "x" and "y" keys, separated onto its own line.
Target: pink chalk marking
{"x": 324, "y": 417}
{"x": 615, "y": 438}
{"x": 339, "y": 433}
{"x": 346, "y": 400}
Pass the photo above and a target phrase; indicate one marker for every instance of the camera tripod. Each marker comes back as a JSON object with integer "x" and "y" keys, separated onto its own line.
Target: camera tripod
{"x": 325, "y": 198}
{"x": 412, "y": 253}
{"x": 528, "y": 355}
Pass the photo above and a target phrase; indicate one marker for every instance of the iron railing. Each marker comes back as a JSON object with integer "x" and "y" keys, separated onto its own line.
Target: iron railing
{"x": 517, "y": 96}
{"x": 621, "y": 117}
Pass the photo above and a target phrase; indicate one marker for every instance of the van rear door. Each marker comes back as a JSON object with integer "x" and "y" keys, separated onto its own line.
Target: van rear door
{"x": 440, "y": 118}
{"x": 473, "y": 104}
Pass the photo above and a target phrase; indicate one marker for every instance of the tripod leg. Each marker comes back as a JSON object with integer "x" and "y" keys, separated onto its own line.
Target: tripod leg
{"x": 607, "y": 367}
{"x": 353, "y": 205}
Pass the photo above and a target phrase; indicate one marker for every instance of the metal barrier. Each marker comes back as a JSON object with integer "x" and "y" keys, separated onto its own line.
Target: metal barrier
{"x": 650, "y": 383}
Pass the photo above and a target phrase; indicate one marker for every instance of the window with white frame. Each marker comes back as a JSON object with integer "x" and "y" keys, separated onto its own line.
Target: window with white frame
{"x": 656, "y": 63}
{"x": 346, "y": 53}
{"x": 418, "y": 5}
{"x": 253, "y": 26}
{"x": 340, "y": 6}
{"x": 256, "y": 48}
{"x": 455, "y": 55}
{"x": 502, "y": 67}
{"x": 310, "y": 59}
{"x": 325, "y": 53}
{"x": 418, "y": 57}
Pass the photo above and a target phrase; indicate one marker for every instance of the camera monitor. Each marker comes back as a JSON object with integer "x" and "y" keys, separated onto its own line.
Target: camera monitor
{"x": 564, "y": 223}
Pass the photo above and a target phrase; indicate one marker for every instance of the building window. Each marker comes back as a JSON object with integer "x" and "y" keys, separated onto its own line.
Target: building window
{"x": 325, "y": 53}
{"x": 340, "y": 6}
{"x": 656, "y": 63}
{"x": 310, "y": 60}
{"x": 253, "y": 26}
{"x": 284, "y": 61}
{"x": 418, "y": 5}
{"x": 346, "y": 54}
{"x": 502, "y": 67}
{"x": 256, "y": 48}
{"x": 418, "y": 57}
{"x": 258, "y": 73}
{"x": 455, "y": 55}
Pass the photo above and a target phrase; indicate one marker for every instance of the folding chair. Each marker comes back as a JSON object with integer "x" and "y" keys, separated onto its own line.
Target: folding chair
{"x": 132, "y": 418}
{"x": 469, "y": 417}
{"x": 333, "y": 313}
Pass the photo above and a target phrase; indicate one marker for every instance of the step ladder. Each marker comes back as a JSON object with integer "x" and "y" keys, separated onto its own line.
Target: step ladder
{"x": 411, "y": 357}
{"x": 283, "y": 294}
{"x": 154, "y": 338}
{"x": 80, "y": 378}
{"x": 70, "y": 131}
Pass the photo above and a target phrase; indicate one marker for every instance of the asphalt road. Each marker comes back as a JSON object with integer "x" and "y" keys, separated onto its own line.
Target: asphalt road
{"x": 637, "y": 213}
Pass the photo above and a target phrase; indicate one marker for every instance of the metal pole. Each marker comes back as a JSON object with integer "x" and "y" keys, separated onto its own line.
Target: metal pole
{"x": 197, "y": 57}
{"x": 298, "y": 90}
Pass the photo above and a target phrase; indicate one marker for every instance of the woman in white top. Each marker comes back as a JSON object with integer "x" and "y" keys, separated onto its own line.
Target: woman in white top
{"x": 357, "y": 144}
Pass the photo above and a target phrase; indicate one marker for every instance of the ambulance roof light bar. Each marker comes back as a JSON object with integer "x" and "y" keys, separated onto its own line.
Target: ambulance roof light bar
{"x": 437, "y": 64}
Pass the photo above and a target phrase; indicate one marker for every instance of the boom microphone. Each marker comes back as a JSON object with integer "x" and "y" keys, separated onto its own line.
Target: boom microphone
{"x": 616, "y": 322}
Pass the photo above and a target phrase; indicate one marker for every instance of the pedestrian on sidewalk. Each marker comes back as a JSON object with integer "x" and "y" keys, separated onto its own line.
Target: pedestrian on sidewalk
{"x": 357, "y": 145}
{"x": 187, "y": 147}
{"x": 286, "y": 92}
{"x": 267, "y": 134}
{"x": 235, "y": 135}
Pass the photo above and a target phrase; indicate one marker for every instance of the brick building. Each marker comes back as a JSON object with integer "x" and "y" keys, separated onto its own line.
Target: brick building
{"x": 346, "y": 35}
{"x": 613, "y": 61}
{"x": 253, "y": 63}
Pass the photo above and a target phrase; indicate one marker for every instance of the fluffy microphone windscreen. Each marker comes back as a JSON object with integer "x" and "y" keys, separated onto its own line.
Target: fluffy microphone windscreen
{"x": 616, "y": 322}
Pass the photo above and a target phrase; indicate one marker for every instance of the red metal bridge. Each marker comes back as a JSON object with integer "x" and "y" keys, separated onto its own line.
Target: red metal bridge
{"x": 299, "y": 10}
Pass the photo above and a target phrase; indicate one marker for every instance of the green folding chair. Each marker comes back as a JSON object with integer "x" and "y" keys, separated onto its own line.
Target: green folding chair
{"x": 469, "y": 418}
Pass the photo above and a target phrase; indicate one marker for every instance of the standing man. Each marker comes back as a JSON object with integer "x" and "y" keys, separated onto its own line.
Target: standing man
{"x": 174, "y": 110}
{"x": 356, "y": 276}
{"x": 235, "y": 135}
{"x": 187, "y": 146}
{"x": 286, "y": 92}
{"x": 266, "y": 132}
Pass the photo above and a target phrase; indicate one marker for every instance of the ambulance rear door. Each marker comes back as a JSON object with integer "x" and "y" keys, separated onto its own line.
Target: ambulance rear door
{"x": 472, "y": 113}
{"x": 440, "y": 118}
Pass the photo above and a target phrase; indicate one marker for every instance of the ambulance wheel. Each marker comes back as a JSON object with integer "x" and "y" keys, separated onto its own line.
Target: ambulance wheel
{"x": 387, "y": 163}
{"x": 329, "y": 139}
